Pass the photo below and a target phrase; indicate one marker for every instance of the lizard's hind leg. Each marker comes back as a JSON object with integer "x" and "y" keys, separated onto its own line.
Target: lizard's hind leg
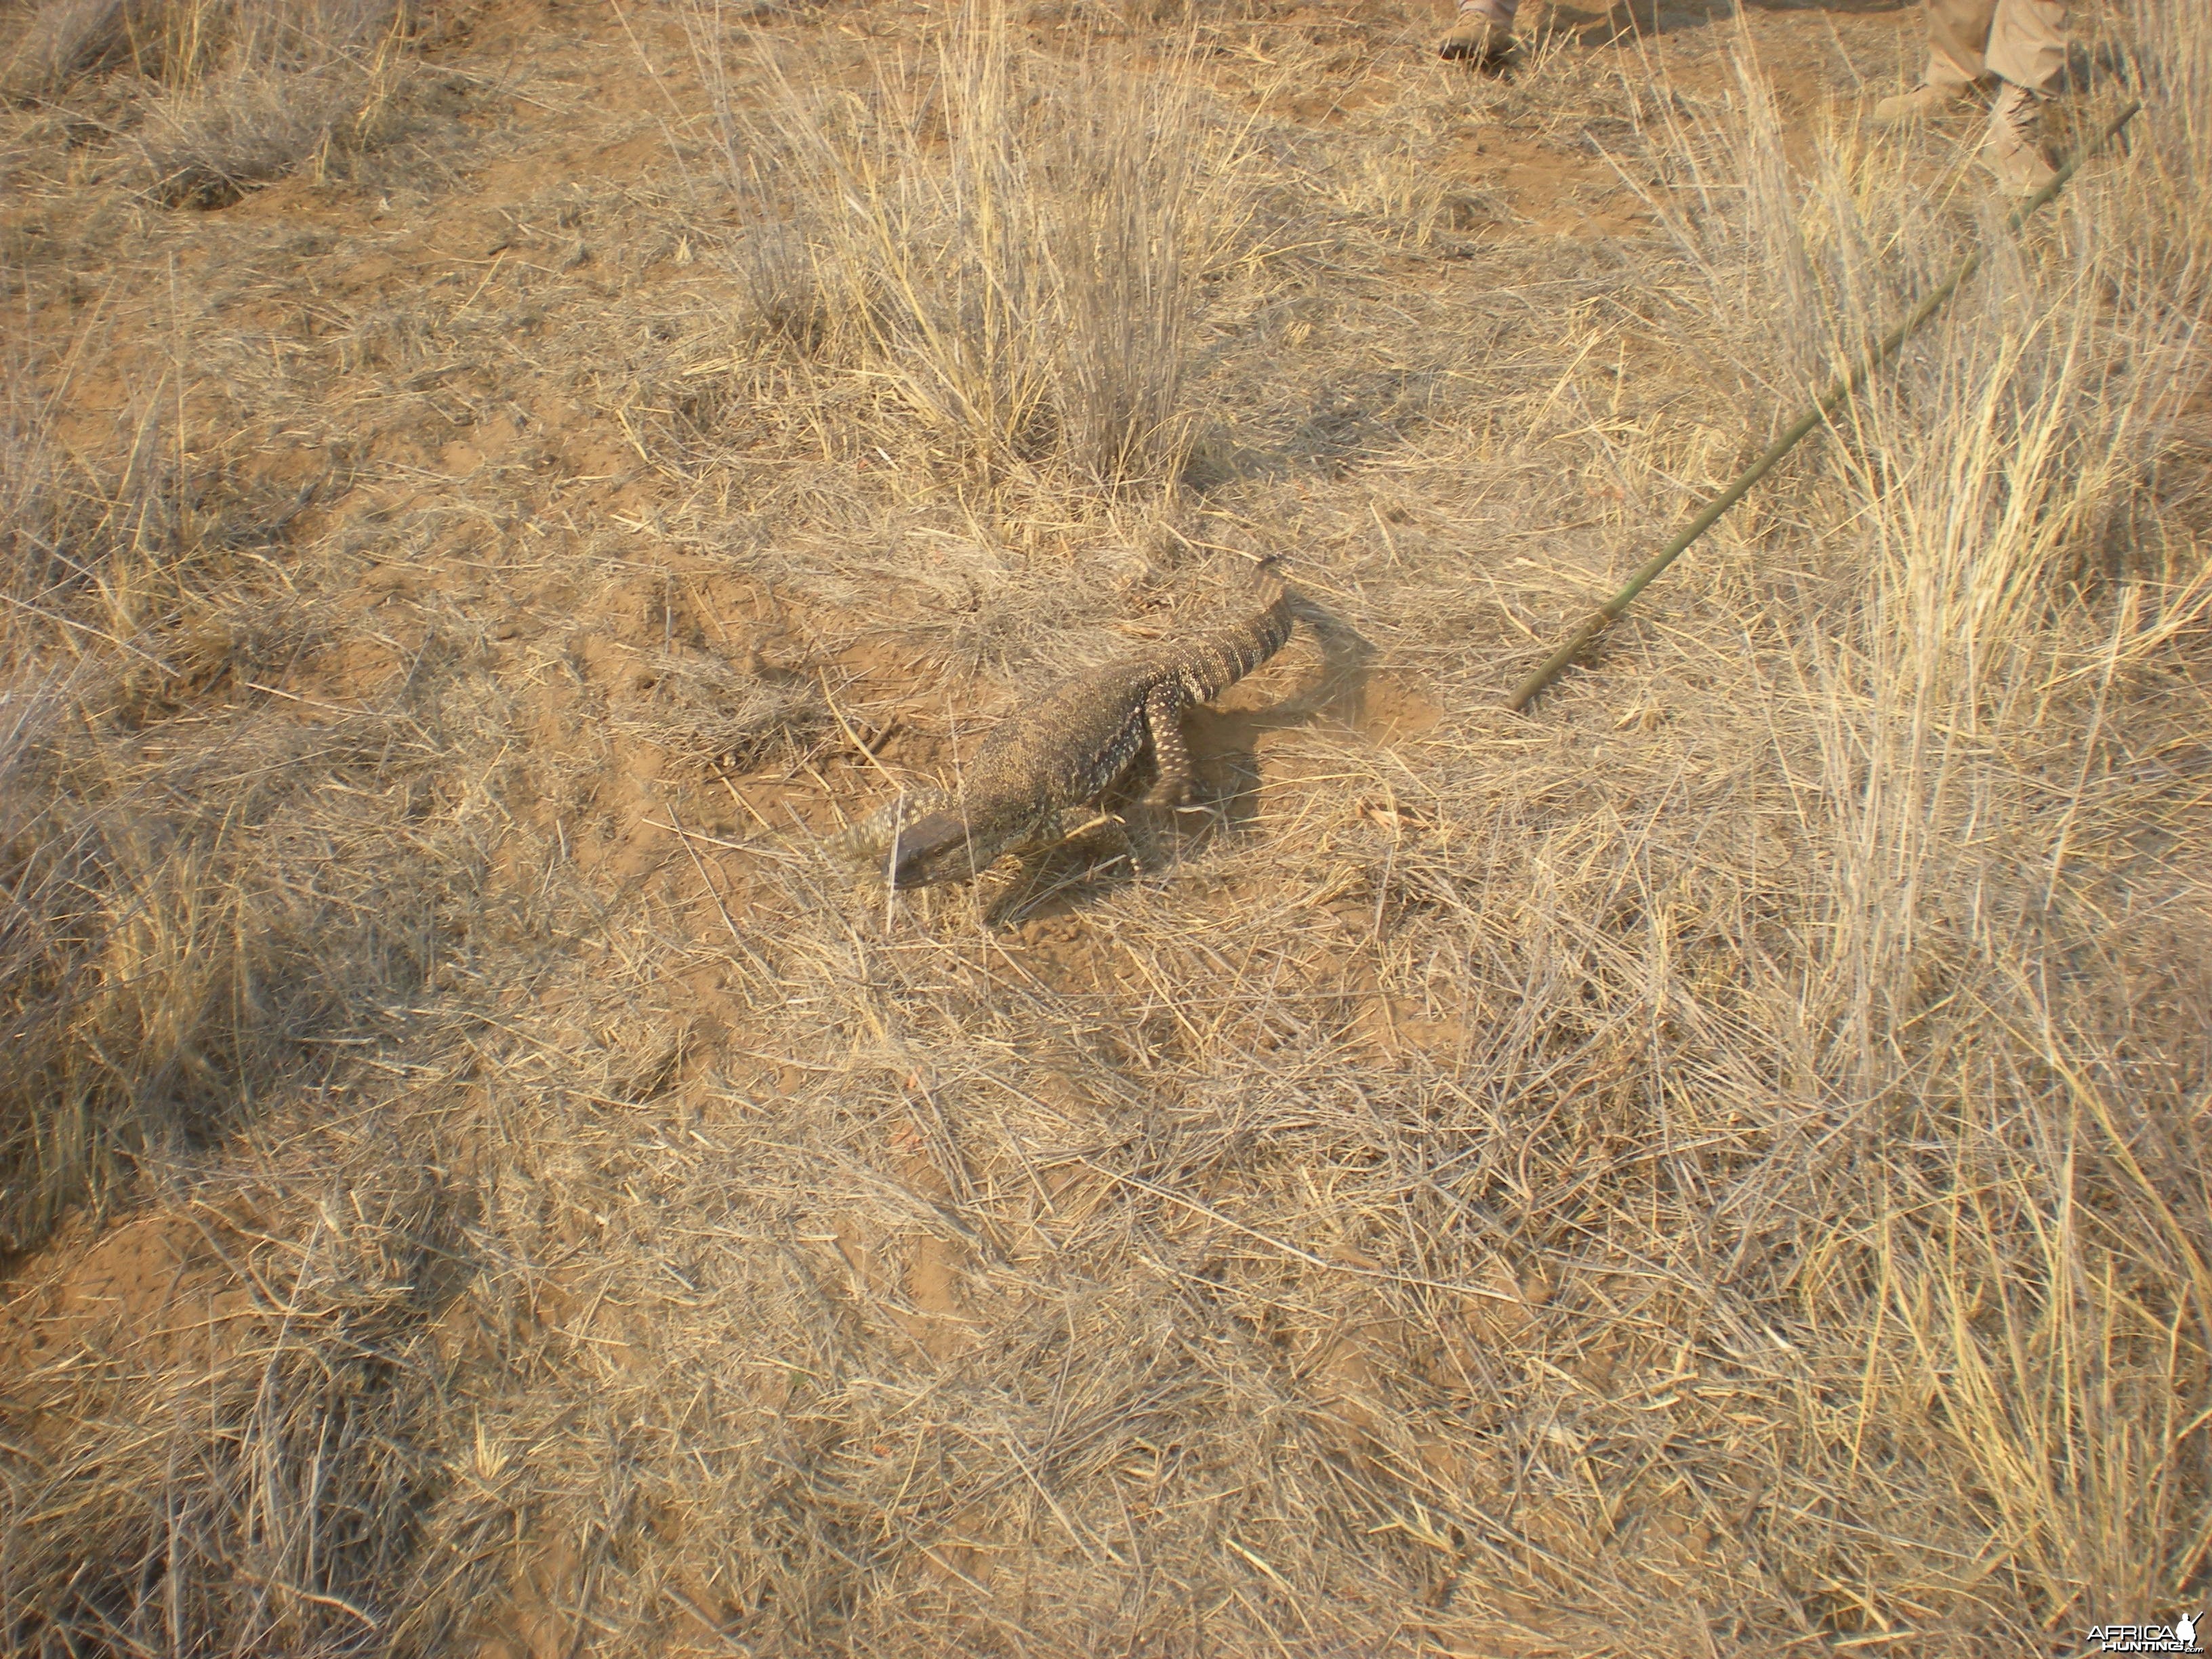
{"x": 1171, "y": 753}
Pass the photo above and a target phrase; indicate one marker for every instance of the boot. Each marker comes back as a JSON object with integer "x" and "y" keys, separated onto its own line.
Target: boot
{"x": 1480, "y": 34}
{"x": 1926, "y": 98}
{"x": 2013, "y": 148}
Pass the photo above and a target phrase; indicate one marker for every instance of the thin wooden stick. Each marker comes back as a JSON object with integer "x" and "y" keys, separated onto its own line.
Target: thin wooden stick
{"x": 1830, "y": 401}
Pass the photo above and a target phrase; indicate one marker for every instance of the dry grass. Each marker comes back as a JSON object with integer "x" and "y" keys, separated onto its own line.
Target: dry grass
{"x": 185, "y": 41}
{"x": 1014, "y": 243}
{"x": 217, "y": 97}
{"x": 1714, "y": 1167}
{"x": 242, "y": 1453}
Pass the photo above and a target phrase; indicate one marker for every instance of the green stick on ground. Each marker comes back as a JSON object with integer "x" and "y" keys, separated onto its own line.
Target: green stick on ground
{"x": 1830, "y": 401}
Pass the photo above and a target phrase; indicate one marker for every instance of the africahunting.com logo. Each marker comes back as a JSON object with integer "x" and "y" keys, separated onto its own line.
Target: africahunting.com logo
{"x": 2179, "y": 1637}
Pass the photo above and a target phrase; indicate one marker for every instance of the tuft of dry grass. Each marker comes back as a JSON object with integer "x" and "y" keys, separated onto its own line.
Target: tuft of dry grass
{"x": 264, "y": 1495}
{"x": 1014, "y": 242}
{"x": 181, "y": 43}
{"x": 227, "y": 95}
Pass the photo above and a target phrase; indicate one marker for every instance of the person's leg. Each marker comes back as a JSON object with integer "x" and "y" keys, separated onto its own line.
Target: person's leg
{"x": 1958, "y": 31}
{"x": 1958, "y": 42}
{"x": 2027, "y": 50}
{"x": 1484, "y": 31}
{"x": 2028, "y": 44}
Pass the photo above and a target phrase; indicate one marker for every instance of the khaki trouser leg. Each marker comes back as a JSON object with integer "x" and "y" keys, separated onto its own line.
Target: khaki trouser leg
{"x": 2027, "y": 42}
{"x": 1958, "y": 31}
{"x": 1503, "y": 10}
{"x": 2023, "y": 41}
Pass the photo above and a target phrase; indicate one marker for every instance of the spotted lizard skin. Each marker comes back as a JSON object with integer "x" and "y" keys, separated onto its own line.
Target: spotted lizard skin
{"x": 1041, "y": 774}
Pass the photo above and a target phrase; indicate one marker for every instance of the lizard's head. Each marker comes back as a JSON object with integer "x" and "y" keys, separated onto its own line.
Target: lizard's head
{"x": 932, "y": 838}
{"x": 947, "y": 845}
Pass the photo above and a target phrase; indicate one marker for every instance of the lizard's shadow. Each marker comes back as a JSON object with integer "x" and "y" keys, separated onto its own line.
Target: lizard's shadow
{"x": 1224, "y": 758}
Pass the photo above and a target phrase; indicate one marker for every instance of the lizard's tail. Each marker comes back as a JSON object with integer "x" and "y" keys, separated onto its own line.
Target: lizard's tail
{"x": 1216, "y": 659}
